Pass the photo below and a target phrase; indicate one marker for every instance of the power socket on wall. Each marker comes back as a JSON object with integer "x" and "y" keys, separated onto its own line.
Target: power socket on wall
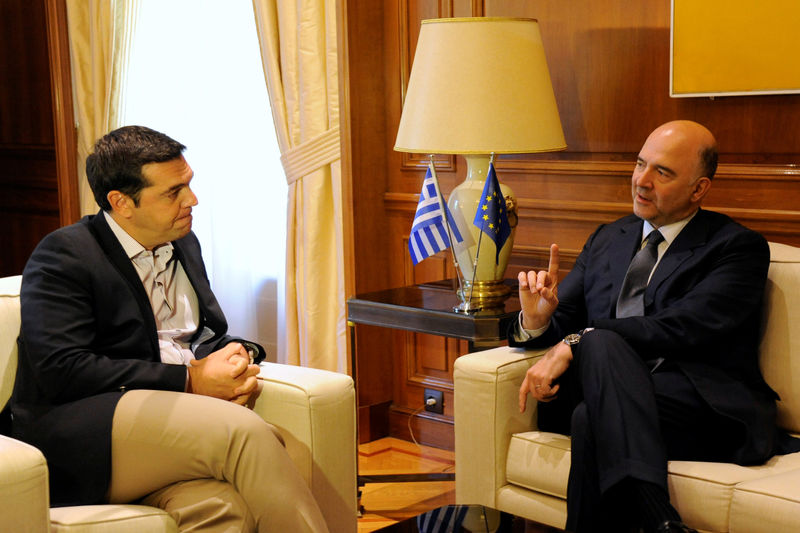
{"x": 434, "y": 401}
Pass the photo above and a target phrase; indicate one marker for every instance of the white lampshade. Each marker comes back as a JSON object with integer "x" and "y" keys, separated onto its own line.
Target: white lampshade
{"x": 479, "y": 85}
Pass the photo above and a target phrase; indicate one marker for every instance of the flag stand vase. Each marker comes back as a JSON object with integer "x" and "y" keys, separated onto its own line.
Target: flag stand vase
{"x": 484, "y": 280}
{"x": 485, "y": 294}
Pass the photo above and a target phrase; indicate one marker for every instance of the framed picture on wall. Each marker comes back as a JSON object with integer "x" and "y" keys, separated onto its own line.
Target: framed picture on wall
{"x": 734, "y": 47}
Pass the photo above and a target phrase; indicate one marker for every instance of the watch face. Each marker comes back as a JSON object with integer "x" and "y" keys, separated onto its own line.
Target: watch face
{"x": 572, "y": 338}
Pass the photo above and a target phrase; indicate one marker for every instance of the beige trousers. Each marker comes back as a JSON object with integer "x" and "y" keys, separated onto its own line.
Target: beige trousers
{"x": 213, "y": 465}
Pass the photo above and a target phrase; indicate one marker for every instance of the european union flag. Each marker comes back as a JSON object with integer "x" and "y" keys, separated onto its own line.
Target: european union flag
{"x": 428, "y": 232}
{"x": 491, "y": 217}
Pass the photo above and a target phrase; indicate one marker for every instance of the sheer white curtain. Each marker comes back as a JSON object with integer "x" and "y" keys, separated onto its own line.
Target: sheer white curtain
{"x": 299, "y": 50}
{"x": 196, "y": 75}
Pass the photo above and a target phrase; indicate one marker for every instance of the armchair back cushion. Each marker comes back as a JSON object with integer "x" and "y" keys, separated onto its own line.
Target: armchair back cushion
{"x": 780, "y": 343}
{"x": 9, "y": 330}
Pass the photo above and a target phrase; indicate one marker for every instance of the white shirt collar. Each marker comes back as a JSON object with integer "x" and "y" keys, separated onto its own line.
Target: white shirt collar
{"x": 669, "y": 231}
{"x": 129, "y": 244}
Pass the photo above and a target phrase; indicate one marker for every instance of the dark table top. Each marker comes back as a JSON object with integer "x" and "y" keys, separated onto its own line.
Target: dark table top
{"x": 428, "y": 308}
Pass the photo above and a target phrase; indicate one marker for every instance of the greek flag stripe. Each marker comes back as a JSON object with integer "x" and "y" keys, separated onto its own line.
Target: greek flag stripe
{"x": 428, "y": 232}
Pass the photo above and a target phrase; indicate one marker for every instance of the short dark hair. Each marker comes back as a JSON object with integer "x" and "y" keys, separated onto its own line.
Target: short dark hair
{"x": 118, "y": 157}
{"x": 708, "y": 161}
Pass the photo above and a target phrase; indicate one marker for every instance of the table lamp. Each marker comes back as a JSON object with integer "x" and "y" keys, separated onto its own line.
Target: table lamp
{"x": 479, "y": 86}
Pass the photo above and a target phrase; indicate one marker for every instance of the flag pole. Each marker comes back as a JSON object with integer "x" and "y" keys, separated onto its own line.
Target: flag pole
{"x": 443, "y": 207}
{"x": 478, "y": 250}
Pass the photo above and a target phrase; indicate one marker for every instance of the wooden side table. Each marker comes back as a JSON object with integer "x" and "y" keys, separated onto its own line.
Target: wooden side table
{"x": 428, "y": 308}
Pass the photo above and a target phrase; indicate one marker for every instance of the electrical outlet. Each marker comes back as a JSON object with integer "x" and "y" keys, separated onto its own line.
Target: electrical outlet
{"x": 434, "y": 401}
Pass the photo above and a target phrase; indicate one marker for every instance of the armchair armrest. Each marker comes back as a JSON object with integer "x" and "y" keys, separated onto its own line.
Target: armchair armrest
{"x": 486, "y": 409}
{"x": 315, "y": 411}
{"x": 24, "y": 491}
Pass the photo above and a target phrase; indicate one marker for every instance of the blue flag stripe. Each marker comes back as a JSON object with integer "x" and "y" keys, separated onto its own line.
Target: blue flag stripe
{"x": 447, "y": 519}
{"x": 428, "y": 232}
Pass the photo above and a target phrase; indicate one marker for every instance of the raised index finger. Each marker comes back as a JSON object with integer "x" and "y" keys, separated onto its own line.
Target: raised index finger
{"x": 554, "y": 262}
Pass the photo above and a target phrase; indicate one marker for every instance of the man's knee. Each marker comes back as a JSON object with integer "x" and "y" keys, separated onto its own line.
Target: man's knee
{"x": 601, "y": 338}
{"x": 600, "y": 348}
{"x": 249, "y": 424}
{"x": 579, "y": 423}
{"x": 204, "y": 505}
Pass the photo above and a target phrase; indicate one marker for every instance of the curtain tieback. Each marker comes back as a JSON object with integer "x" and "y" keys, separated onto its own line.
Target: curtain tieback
{"x": 315, "y": 153}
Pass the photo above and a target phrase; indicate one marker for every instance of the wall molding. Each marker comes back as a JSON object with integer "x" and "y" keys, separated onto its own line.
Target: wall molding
{"x": 770, "y": 222}
{"x": 613, "y": 169}
{"x": 418, "y": 162}
{"x": 539, "y": 209}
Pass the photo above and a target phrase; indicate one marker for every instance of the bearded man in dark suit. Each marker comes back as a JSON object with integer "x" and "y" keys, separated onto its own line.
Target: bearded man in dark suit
{"x": 128, "y": 381}
{"x": 664, "y": 370}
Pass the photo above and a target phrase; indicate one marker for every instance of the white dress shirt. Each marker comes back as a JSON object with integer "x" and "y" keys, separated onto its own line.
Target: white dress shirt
{"x": 172, "y": 297}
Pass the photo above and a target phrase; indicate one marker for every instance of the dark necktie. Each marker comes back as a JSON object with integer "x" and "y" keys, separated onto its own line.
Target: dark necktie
{"x": 631, "y": 297}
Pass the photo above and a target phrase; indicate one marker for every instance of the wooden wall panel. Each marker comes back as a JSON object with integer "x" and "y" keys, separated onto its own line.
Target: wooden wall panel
{"x": 609, "y": 62}
{"x": 29, "y": 203}
{"x": 25, "y": 108}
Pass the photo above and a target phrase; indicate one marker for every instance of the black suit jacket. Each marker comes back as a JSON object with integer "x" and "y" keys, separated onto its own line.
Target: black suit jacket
{"x": 88, "y": 334}
{"x": 702, "y": 312}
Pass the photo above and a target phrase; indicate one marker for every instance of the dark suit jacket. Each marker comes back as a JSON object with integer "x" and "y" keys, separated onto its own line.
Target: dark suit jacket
{"x": 88, "y": 334}
{"x": 702, "y": 312}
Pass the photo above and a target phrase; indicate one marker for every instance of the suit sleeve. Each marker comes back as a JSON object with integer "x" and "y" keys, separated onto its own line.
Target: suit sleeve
{"x": 213, "y": 316}
{"x": 571, "y": 314}
{"x": 81, "y": 335}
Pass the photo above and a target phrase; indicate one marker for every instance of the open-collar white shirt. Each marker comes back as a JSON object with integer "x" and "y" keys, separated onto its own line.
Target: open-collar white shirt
{"x": 172, "y": 297}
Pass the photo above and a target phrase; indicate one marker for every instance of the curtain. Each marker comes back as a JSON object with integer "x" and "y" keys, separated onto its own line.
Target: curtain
{"x": 298, "y": 51}
{"x": 100, "y": 38}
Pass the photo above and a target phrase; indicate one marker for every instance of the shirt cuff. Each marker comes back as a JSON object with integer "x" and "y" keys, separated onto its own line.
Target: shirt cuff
{"x": 521, "y": 334}
{"x": 252, "y": 350}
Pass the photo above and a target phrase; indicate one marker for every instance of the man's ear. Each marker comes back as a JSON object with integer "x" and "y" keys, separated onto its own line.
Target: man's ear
{"x": 121, "y": 204}
{"x": 701, "y": 188}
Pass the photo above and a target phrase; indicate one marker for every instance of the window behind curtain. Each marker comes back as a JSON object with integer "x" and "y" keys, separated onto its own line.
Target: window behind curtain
{"x": 195, "y": 74}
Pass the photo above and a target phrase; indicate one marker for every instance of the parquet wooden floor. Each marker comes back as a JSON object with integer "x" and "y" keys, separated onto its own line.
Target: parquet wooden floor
{"x": 387, "y": 503}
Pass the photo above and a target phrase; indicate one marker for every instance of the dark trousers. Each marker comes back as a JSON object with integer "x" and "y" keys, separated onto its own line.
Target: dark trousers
{"x": 626, "y": 419}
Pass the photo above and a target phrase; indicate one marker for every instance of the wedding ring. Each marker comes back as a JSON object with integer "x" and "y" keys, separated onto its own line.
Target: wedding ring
{"x": 537, "y": 386}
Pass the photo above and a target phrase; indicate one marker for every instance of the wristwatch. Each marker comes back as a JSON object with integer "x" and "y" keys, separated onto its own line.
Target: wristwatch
{"x": 575, "y": 338}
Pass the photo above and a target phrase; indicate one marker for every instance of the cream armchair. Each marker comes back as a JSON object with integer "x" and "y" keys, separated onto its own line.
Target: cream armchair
{"x": 502, "y": 461}
{"x": 314, "y": 410}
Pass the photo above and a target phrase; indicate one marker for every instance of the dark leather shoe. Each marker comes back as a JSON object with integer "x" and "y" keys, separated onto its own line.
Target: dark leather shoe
{"x": 674, "y": 526}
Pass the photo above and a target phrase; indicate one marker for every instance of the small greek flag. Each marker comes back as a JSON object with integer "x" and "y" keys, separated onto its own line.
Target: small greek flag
{"x": 428, "y": 232}
{"x": 442, "y": 520}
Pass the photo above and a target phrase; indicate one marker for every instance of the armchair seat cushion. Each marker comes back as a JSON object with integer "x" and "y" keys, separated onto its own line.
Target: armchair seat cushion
{"x": 110, "y": 519}
{"x": 767, "y": 505}
{"x": 702, "y": 492}
{"x": 539, "y": 461}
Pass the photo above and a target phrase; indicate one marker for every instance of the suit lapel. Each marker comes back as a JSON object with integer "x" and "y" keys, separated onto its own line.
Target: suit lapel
{"x": 695, "y": 234}
{"x": 197, "y": 277}
{"x": 621, "y": 251}
{"x": 122, "y": 263}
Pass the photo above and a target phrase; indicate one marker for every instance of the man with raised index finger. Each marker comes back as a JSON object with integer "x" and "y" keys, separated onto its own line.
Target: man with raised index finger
{"x": 654, "y": 337}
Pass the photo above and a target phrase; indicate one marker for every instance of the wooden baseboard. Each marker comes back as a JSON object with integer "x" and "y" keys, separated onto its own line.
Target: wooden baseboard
{"x": 429, "y": 429}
